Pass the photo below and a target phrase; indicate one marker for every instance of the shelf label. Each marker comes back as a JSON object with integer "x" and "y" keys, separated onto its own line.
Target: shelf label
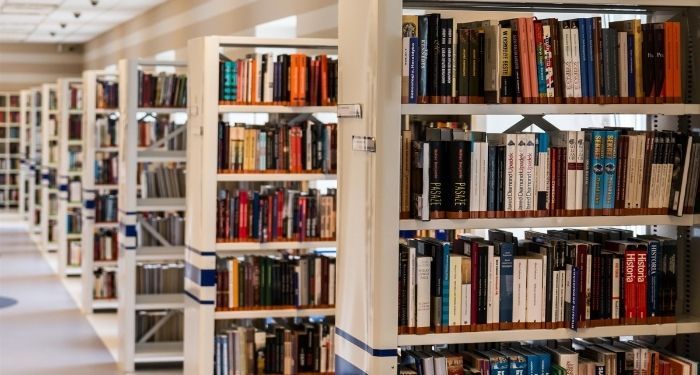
{"x": 349, "y": 111}
{"x": 363, "y": 143}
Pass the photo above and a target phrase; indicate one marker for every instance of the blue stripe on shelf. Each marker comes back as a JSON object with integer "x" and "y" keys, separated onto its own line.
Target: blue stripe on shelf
{"x": 198, "y": 300}
{"x": 130, "y": 230}
{"x": 344, "y": 367}
{"x": 62, "y": 187}
{"x": 127, "y": 247}
{"x": 200, "y": 277}
{"x": 90, "y": 204}
{"x": 360, "y": 344}
{"x": 128, "y": 212}
{"x": 200, "y": 252}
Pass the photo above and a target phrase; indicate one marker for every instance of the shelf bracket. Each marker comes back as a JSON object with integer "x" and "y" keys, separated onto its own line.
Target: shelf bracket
{"x": 161, "y": 142}
{"x": 157, "y": 326}
{"x": 147, "y": 226}
{"x": 529, "y": 120}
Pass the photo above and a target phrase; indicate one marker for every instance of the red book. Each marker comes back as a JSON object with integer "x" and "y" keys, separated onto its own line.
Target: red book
{"x": 243, "y": 215}
{"x": 630, "y": 284}
{"x": 581, "y": 256}
{"x": 324, "y": 80}
{"x": 475, "y": 282}
{"x": 553, "y": 196}
{"x": 302, "y": 219}
{"x": 641, "y": 275}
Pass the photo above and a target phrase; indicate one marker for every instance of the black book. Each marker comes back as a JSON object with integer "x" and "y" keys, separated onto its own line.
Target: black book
{"x": 442, "y": 60}
{"x": 457, "y": 163}
{"x": 436, "y": 188}
{"x": 483, "y": 284}
{"x": 649, "y": 59}
{"x": 659, "y": 62}
{"x": 491, "y": 179}
{"x": 505, "y": 46}
{"x": 515, "y": 49}
{"x": 434, "y": 56}
{"x": 500, "y": 177}
{"x": 423, "y": 66}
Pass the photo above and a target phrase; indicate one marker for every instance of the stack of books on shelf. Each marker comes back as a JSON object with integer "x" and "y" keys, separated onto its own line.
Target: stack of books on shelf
{"x": 170, "y": 330}
{"x": 294, "y": 348}
{"x": 567, "y": 278}
{"x": 162, "y": 90}
{"x": 157, "y": 278}
{"x": 106, "y": 208}
{"x": 150, "y": 132}
{"x": 75, "y": 127}
{"x": 75, "y": 95}
{"x": 75, "y": 158}
{"x": 286, "y": 79}
{"x": 105, "y": 284}
{"x": 73, "y": 222}
{"x": 170, "y": 226}
{"x": 259, "y": 282}
{"x": 107, "y": 94}
{"x": 162, "y": 182}
{"x": 105, "y": 246}
{"x": 577, "y": 357}
{"x": 275, "y": 214}
{"x": 449, "y": 172}
{"x": 106, "y": 165}
{"x": 529, "y": 60}
{"x": 74, "y": 190}
{"x": 306, "y": 147}
{"x": 74, "y": 253}
{"x": 106, "y": 131}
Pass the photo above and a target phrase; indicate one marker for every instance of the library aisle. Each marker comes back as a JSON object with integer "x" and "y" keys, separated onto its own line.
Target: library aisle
{"x": 45, "y": 317}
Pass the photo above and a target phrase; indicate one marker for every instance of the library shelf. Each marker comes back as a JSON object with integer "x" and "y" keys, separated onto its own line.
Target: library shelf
{"x": 105, "y": 303}
{"x": 161, "y": 110}
{"x": 226, "y": 177}
{"x": 156, "y": 352}
{"x": 683, "y": 326}
{"x": 106, "y": 225}
{"x": 106, "y": 186}
{"x": 159, "y": 301}
{"x": 281, "y": 245}
{"x": 544, "y": 222}
{"x": 74, "y": 142}
{"x": 159, "y": 156}
{"x": 47, "y": 166}
{"x": 160, "y": 253}
{"x": 73, "y": 270}
{"x": 105, "y": 263}
{"x": 244, "y": 108}
{"x": 107, "y": 149}
{"x": 160, "y": 204}
{"x": 273, "y": 313}
{"x": 73, "y": 236}
{"x": 106, "y": 111}
{"x": 549, "y": 109}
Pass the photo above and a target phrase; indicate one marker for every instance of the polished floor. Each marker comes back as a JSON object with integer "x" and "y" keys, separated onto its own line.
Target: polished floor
{"x": 44, "y": 332}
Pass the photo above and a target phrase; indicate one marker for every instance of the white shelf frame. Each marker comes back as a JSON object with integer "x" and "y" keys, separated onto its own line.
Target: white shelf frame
{"x": 33, "y": 164}
{"x": 63, "y": 175}
{"x": 48, "y": 193}
{"x": 202, "y": 185}
{"x": 91, "y": 190}
{"x": 129, "y": 208}
{"x": 366, "y": 322}
{"x": 8, "y": 205}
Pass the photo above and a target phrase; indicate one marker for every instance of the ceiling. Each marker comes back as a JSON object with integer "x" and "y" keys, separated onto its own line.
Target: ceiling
{"x": 54, "y": 21}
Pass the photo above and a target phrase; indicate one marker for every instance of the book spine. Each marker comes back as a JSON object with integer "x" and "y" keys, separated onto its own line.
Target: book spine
{"x": 506, "y": 284}
{"x": 630, "y": 285}
{"x": 424, "y": 48}
{"x": 611, "y": 137}
{"x": 580, "y": 159}
{"x": 413, "y": 65}
{"x": 423, "y": 271}
{"x": 519, "y": 303}
{"x": 548, "y": 63}
{"x": 511, "y": 173}
{"x": 457, "y": 197}
{"x": 506, "y": 65}
{"x": 641, "y": 281}
{"x": 575, "y": 60}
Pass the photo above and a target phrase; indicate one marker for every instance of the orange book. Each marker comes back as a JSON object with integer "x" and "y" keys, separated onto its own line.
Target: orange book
{"x": 532, "y": 59}
{"x": 303, "y": 76}
{"x": 324, "y": 80}
{"x": 253, "y": 80}
{"x": 293, "y": 79}
{"x": 668, "y": 63}
{"x": 524, "y": 60}
{"x": 676, "y": 47}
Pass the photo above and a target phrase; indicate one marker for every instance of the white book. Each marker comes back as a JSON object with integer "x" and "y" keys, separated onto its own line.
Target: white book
{"x": 423, "y": 292}
{"x": 519, "y": 289}
{"x": 575, "y": 61}
{"x": 466, "y": 304}
{"x": 511, "y": 181}
{"x": 534, "y": 290}
{"x": 580, "y": 149}
{"x": 317, "y": 280}
{"x": 542, "y": 174}
{"x": 530, "y": 172}
{"x": 589, "y": 265}
{"x": 566, "y": 358}
{"x": 331, "y": 284}
{"x": 562, "y": 294}
{"x": 571, "y": 170}
{"x": 405, "y": 57}
{"x": 455, "y": 287}
{"x": 483, "y": 175}
{"x": 497, "y": 288}
{"x": 490, "y": 285}
{"x": 679, "y": 196}
{"x": 555, "y": 296}
{"x": 474, "y": 177}
{"x": 269, "y": 79}
{"x": 423, "y": 205}
{"x": 548, "y": 68}
{"x": 411, "y": 286}
{"x": 622, "y": 67}
{"x": 258, "y": 77}
{"x": 520, "y": 172}
{"x": 631, "y": 169}
{"x": 616, "y": 289}
{"x": 567, "y": 59}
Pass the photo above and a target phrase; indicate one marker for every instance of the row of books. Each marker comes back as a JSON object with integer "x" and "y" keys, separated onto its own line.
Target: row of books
{"x": 259, "y": 282}
{"x": 159, "y": 278}
{"x": 287, "y": 79}
{"x": 170, "y": 330}
{"x": 306, "y": 147}
{"x": 105, "y": 245}
{"x": 75, "y": 251}
{"x": 150, "y": 132}
{"x": 452, "y": 173}
{"x": 74, "y": 222}
{"x": 162, "y": 182}
{"x": 106, "y": 168}
{"x": 560, "y": 279}
{"x": 13, "y": 102}
{"x": 107, "y": 94}
{"x": 106, "y": 131}
{"x": 75, "y": 158}
{"x": 607, "y": 356}
{"x": 162, "y": 90}
{"x": 53, "y": 100}
{"x": 275, "y": 214}
{"x": 75, "y": 189}
{"x": 106, "y": 208}
{"x": 9, "y": 195}
{"x": 528, "y": 60}
{"x": 75, "y": 96}
{"x": 105, "y": 284}
{"x": 170, "y": 226}
{"x": 75, "y": 127}
{"x": 294, "y": 348}
{"x": 9, "y": 164}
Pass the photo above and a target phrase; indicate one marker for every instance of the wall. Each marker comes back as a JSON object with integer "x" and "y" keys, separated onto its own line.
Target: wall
{"x": 169, "y": 26}
{"x": 23, "y": 65}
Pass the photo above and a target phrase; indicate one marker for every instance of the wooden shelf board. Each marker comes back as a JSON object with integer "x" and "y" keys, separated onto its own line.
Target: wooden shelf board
{"x": 157, "y": 253}
{"x": 553, "y": 109}
{"x": 225, "y": 177}
{"x": 275, "y": 109}
{"x": 159, "y": 301}
{"x": 155, "y": 352}
{"x": 543, "y": 222}
{"x": 105, "y": 225}
{"x": 252, "y": 246}
{"x": 162, "y": 109}
{"x": 160, "y": 204}
{"x": 273, "y": 313}
{"x": 73, "y": 236}
{"x": 107, "y": 149}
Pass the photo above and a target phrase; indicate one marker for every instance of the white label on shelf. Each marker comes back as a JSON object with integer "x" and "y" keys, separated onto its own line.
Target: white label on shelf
{"x": 363, "y": 143}
{"x": 350, "y": 110}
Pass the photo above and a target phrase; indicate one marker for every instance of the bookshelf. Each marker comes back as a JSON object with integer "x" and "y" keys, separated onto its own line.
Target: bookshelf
{"x": 367, "y": 338}
{"x": 49, "y": 166}
{"x": 25, "y": 175}
{"x": 10, "y": 110}
{"x": 133, "y": 211}
{"x": 34, "y": 164}
{"x": 70, "y": 163}
{"x": 98, "y": 145}
{"x": 204, "y": 182}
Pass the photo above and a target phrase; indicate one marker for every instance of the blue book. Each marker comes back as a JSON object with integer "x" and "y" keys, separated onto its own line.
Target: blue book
{"x": 413, "y": 70}
{"x": 517, "y": 363}
{"x": 583, "y": 56}
{"x": 256, "y": 214}
{"x": 589, "y": 52}
{"x": 500, "y": 365}
{"x": 610, "y": 168}
{"x": 446, "y": 248}
{"x": 653, "y": 263}
{"x": 596, "y": 171}
{"x": 534, "y": 364}
{"x": 573, "y": 317}
{"x": 423, "y": 56}
{"x": 545, "y": 360}
{"x": 505, "y": 313}
{"x": 631, "y": 88}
